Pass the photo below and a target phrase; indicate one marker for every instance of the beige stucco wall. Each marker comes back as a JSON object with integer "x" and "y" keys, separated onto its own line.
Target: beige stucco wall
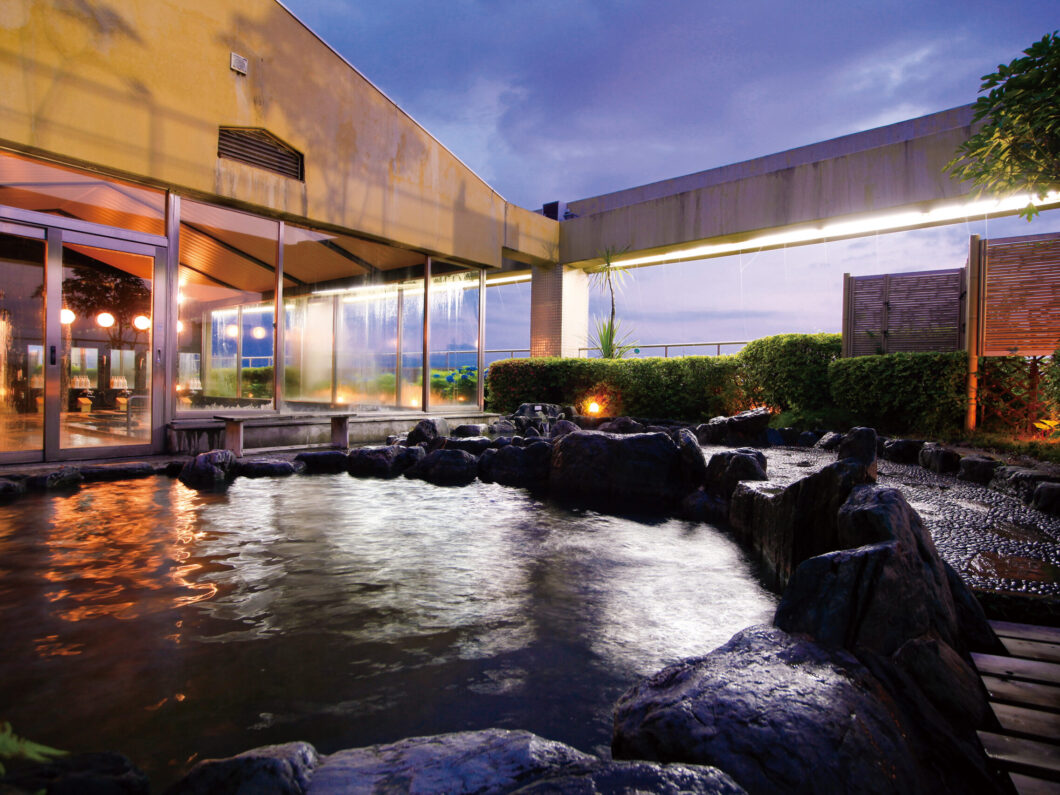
{"x": 140, "y": 88}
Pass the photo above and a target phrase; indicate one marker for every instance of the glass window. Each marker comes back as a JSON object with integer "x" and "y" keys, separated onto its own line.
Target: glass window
{"x": 454, "y": 338}
{"x": 21, "y": 344}
{"x": 34, "y": 185}
{"x": 225, "y": 328}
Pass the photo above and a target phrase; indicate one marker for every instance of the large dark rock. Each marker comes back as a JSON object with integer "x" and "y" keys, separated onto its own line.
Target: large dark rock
{"x": 630, "y": 778}
{"x": 547, "y": 411}
{"x": 122, "y": 471}
{"x": 268, "y": 467}
{"x": 939, "y": 459}
{"x": 428, "y": 430}
{"x": 504, "y": 427}
{"x": 745, "y": 428}
{"x": 693, "y": 462}
{"x": 729, "y": 467}
{"x": 621, "y": 425}
{"x": 387, "y": 461}
{"x": 860, "y": 444}
{"x": 100, "y": 773}
{"x": 473, "y": 429}
{"x": 502, "y": 761}
{"x": 562, "y": 428}
{"x": 807, "y": 438}
{"x": 523, "y": 467}
{"x": 272, "y": 770}
{"x": 210, "y": 471}
{"x": 1046, "y": 498}
{"x": 11, "y": 489}
{"x": 634, "y": 469}
{"x": 830, "y": 441}
{"x": 977, "y": 469}
{"x": 785, "y": 526}
{"x": 702, "y": 506}
{"x": 487, "y": 761}
{"x": 445, "y": 468}
{"x": 475, "y": 445}
{"x": 902, "y": 451}
{"x": 1021, "y": 481}
{"x": 781, "y": 714}
{"x": 323, "y": 462}
{"x": 61, "y": 479}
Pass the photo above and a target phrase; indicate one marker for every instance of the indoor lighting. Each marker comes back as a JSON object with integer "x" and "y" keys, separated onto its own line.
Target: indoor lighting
{"x": 838, "y": 229}
{"x": 66, "y": 317}
{"x": 142, "y": 322}
{"x": 258, "y": 333}
{"x": 180, "y": 326}
{"x": 522, "y": 277}
{"x": 105, "y": 320}
{"x": 232, "y": 331}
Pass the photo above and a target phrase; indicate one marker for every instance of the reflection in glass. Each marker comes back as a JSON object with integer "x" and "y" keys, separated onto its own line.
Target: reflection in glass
{"x": 225, "y": 331}
{"x": 47, "y": 188}
{"x": 21, "y": 343}
{"x": 105, "y": 384}
{"x": 454, "y": 339}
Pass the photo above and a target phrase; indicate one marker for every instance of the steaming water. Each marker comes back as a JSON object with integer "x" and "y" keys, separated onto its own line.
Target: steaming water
{"x": 146, "y": 618}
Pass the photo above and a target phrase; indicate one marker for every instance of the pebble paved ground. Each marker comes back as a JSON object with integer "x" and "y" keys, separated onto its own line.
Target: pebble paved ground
{"x": 995, "y": 541}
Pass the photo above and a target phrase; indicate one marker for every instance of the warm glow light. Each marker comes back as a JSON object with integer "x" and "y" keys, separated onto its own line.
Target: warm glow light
{"x": 180, "y": 297}
{"x": 837, "y": 229}
{"x": 414, "y": 402}
{"x": 105, "y": 319}
{"x": 594, "y": 408}
{"x": 180, "y": 326}
{"x": 142, "y": 322}
{"x": 232, "y": 331}
{"x": 258, "y": 333}
{"x": 66, "y": 317}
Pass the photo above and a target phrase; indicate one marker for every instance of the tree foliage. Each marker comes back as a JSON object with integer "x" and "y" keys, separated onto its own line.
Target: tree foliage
{"x": 1017, "y": 150}
{"x": 611, "y": 275}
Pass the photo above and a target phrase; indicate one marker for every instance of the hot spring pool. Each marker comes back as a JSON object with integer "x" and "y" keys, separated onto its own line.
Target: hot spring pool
{"x": 147, "y": 618}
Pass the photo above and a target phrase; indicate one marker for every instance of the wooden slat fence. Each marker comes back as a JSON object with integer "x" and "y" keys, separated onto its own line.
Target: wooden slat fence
{"x": 903, "y": 312}
{"x": 1020, "y": 312}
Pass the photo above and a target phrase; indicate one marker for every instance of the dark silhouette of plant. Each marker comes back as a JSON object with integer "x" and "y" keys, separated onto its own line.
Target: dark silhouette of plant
{"x": 1018, "y": 148}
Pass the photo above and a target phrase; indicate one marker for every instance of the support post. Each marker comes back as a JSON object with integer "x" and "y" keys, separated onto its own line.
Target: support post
{"x": 559, "y": 310}
{"x": 425, "y": 365}
{"x": 972, "y": 330}
{"x": 847, "y": 325}
{"x": 279, "y": 326}
{"x": 481, "y": 364}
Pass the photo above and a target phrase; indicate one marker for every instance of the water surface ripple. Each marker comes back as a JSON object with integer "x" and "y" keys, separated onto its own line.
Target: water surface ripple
{"x": 148, "y": 618}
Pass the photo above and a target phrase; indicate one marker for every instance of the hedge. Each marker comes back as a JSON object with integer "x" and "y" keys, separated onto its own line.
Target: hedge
{"x": 903, "y": 392}
{"x": 687, "y": 387}
{"x": 790, "y": 371}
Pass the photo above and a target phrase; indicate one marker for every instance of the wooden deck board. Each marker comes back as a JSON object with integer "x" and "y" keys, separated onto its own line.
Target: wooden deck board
{"x": 1032, "y": 649}
{"x": 1024, "y": 693}
{"x": 1018, "y": 751}
{"x": 1010, "y": 629}
{"x": 1023, "y": 720}
{"x": 1017, "y": 668}
{"x": 1029, "y": 785}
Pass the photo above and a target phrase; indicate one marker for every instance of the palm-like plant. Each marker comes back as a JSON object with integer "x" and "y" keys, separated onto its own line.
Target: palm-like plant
{"x": 611, "y": 342}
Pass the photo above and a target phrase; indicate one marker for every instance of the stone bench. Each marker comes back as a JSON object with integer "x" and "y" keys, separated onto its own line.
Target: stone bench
{"x": 234, "y": 424}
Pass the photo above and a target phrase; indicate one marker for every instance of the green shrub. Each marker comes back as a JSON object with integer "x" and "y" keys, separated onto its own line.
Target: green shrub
{"x": 687, "y": 387}
{"x": 903, "y": 392}
{"x": 791, "y": 370}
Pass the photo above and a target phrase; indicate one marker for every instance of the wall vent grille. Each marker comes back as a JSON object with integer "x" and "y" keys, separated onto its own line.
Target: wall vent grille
{"x": 262, "y": 149}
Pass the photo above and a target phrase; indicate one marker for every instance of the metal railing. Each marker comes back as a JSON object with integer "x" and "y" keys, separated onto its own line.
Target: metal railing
{"x": 666, "y": 346}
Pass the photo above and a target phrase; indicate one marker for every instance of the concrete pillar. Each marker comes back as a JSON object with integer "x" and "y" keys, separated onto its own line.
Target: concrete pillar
{"x": 559, "y": 310}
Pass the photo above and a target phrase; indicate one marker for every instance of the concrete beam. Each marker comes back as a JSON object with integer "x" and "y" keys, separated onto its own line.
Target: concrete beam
{"x": 890, "y": 169}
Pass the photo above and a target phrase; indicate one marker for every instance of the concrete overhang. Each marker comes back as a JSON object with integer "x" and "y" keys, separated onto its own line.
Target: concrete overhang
{"x": 889, "y": 178}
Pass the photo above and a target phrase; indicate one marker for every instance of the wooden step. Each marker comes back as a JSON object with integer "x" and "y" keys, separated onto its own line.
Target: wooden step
{"x": 1030, "y": 785}
{"x": 1009, "y": 629}
{"x": 1032, "y": 649}
{"x": 1017, "y": 752}
{"x": 1024, "y": 693}
{"x": 1023, "y": 720}
{"x": 1016, "y": 668}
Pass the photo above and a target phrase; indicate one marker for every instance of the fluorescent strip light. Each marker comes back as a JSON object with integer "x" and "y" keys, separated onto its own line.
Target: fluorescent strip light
{"x": 882, "y": 223}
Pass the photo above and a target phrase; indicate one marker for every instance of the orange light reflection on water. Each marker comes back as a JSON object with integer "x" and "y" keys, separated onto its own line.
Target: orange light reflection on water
{"x": 108, "y": 558}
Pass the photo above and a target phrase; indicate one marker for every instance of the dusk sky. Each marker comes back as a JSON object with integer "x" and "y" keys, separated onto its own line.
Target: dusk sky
{"x": 566, "y": 100}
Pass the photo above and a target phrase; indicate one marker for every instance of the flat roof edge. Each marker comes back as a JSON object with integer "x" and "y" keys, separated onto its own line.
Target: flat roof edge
{"x": 888, "y": 134}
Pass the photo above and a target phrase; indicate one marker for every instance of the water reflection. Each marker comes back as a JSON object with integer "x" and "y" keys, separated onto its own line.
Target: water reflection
{"x": 149, "y": 618}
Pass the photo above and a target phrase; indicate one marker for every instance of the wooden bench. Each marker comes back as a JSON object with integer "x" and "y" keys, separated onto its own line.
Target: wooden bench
{"x": 234, "y": 423}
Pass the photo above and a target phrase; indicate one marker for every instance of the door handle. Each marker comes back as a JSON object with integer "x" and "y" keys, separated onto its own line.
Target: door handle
{"x": 53, "y": 354}
{"x": 158, "y": 356}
